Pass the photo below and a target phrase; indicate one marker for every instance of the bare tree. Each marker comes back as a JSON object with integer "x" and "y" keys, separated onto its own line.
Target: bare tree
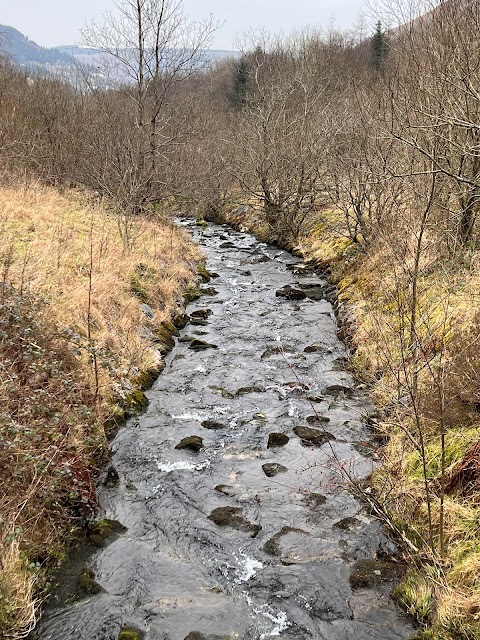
{"x": 148, "y": 47}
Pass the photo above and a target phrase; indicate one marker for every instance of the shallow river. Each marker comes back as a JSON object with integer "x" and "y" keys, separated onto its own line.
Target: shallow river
{"x": 281, "y": 561}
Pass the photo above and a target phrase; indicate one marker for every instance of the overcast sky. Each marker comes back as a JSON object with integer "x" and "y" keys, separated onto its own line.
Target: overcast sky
{"x": 57, "y": 22}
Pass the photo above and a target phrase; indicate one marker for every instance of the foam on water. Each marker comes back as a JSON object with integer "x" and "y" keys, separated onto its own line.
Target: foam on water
{"x": 189, "y": 416}
{"x": 182, "y": 465}
{"x": 278, "y": 618}
{"x": 248, "y": 567}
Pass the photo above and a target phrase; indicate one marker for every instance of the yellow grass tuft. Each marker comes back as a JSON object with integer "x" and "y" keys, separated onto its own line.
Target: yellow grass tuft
{"x": 18, "y": 606}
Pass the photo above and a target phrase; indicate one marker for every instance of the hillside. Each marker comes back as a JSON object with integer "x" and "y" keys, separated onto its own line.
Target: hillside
{"x": 26, "y": 52}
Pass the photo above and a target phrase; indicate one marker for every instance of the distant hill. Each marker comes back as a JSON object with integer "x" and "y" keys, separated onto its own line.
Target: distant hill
{"x": 26, "y": 53}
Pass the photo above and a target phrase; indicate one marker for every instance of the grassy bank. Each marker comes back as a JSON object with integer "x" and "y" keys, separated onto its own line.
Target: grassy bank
{"x": 76, "y": 339}
{"x": 415, "y": 337}
{"x": 425, "y": 383}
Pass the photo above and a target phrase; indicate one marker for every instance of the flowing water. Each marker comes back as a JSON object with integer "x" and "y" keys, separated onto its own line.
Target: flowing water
{"x": 282, "y": 560}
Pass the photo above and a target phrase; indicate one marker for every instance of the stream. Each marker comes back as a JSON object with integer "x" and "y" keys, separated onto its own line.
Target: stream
{"x": 250, "y": 532}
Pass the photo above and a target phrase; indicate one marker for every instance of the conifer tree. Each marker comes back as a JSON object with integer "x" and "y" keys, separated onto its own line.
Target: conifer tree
{"x": 379, "y": 48}
{"x": 237, "y": 96}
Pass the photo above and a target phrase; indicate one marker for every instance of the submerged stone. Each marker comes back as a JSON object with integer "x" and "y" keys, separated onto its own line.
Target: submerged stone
{"x": 314, "y": 437}
{"x": 212, "y": 425}
{"x": 367, "y": 574}
{"x": 198, "y": 322}
{"x": 347, "y": 524}
{"x": 290, "y": 293}
{"x": 272, "y": 469}
{"x": 111, "y": 479}
{"x": 233, "y": 517}
{"x": 225, "y": 489}
{"x": 314, "y": 292}
{"x": 314, "y": 500}
{"x": 201, "y": 345}
{"x": 338, "y": 389}
{"x": 201, "y": 313}
{"x": 135, "y": 402}
{"x": 191, "y": 294}
{"x": 246, "y": 390}
{"x": 208, "y": 291}
{"x": 223, "y": 392}
{"x": 192, "y": 443}
{"x": 317, "y": 348}
{"x": 104, "y": 531}
{"x": 181, "y": 321}
{"x": 272, "y": 546}
{"x": 316, "y": 419}
{"x": 87, "y": 585}
{"x": 205, "y": 275}
{"x": 130, "y": 633}
{"x": 341, "y": 364}
{"x": 277, "y": 440}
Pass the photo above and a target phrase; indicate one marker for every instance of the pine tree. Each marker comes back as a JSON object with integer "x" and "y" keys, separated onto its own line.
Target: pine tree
{"x": 379, "y": 48}
{"x": 237, "y": 96}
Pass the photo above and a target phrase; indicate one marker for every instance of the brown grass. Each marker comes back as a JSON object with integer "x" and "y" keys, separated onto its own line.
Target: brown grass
{"x": 73, "y": 339}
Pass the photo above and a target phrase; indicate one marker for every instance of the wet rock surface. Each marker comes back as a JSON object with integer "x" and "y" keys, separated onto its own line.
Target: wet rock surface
{"x": 233, "y": 517}
{"x": 193, "y": 558}
{"x": 277, "y": 440}
{"x": 193, "y": 443}
{"x": 291, "y": 293}
{"x": 272, "y": 469}
{"x": 313, "y": 437}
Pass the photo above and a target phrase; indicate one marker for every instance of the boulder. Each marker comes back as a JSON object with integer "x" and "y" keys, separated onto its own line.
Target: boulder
{"x": 314, "y": 500}
{"x": 277, "y": 440}
{"x": 272, "y": 469}
{"x": 317, "y": 420}
{"x": 338, "y": 389}
{"x": 211, "y": 424}
{"x": 290, "y": 293}
{"x": 201, "y": 313}
{"x": 201, "y": 345}
{"x": 192, "y": 443}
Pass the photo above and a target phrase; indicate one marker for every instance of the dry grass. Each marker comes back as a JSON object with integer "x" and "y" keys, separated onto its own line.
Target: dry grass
{"x": 72, "y": 340}
{"x": 47, "y": 241}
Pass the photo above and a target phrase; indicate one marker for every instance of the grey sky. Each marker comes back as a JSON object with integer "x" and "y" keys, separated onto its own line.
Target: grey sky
{"x": 56, "y": 22}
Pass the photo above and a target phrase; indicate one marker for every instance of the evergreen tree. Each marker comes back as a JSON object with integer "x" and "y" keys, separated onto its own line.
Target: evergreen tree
{"x": 237, "y": 96}
{"x": 379, "y": 48}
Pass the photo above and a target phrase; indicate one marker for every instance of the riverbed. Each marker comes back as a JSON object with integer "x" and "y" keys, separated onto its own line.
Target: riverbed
{"x": 232, "y": 488}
